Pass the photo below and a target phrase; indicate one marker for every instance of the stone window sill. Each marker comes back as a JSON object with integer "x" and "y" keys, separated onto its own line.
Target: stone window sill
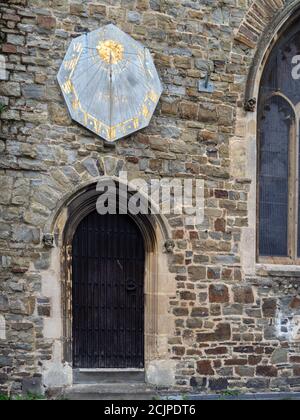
{"x": 276, "y": 270}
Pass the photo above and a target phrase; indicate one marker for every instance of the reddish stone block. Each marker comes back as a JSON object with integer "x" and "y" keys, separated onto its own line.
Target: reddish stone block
{"x": 178, "y": 234}
{"x": 218, "y": 293}
{"x": 194, "y": 236}
{"x": 204, "y": 368}
{"x": 193, "y": 352}
{"x": 9, "y": 49}
{"x": 193, "y": 168}
{"x": 267, "y": 371}
{"x": 236, "y": 362}
{"x": 19, "y": 270}
{"x": 141, "y": 138}
{"x": 46, "y": 22}
{"x": 217, "y": 364}
{"x": 221, "y": 194}
{"x": 132, "y": 159}
{"x": 220, "y": 225}
{"x": 269, "y": 308}
{"x": 295, "y": 303}
{"x": 254, "y": 360}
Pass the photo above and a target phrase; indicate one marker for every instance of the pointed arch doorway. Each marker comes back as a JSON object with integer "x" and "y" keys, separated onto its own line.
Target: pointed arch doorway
{"x": 158, "y": 287}
{"x": 108, "y": 270}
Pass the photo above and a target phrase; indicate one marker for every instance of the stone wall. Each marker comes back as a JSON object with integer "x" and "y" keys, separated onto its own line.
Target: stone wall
{"x": 230, "y": 329}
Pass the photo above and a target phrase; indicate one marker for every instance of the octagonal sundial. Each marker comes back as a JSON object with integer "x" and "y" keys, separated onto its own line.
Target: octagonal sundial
{"x": 110, "y": 83}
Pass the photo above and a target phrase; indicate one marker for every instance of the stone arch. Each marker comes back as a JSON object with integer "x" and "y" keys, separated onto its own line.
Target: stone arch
{"x": 258, "y": 17}
{"x": 110, "y": 170}
{"x": 74, "y": 184}
{"x": 276, "y": 18}
{"x": 84, "y": 200}
{"x": 159, "y": 287}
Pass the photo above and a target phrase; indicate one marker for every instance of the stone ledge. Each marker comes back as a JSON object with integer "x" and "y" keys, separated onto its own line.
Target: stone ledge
{"x": 114, "y": 391}
{"x": 272, "y": 270}
{"x": 276, "y": 396}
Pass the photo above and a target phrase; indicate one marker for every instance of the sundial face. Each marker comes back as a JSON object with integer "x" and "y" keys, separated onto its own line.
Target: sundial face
{"x": 110, "y": 83}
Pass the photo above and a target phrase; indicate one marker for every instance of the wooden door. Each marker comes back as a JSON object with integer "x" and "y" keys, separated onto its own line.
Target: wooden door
{"x": 108, "y": 293}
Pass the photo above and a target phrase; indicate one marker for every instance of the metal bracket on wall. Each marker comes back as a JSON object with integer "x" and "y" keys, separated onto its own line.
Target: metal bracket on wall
{"x": 205, "y": 85}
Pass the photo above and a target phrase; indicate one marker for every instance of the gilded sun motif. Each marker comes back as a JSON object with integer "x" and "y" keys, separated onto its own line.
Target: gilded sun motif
{"x": 110, "y": 51}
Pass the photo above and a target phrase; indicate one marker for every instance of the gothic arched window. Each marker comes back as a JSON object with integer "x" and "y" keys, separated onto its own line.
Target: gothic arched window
{"x": 278, "y": 152}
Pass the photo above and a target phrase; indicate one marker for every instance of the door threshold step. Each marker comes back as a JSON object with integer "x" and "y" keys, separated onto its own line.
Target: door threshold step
{"x": 106, "y": 376}
{"x": 110, "y": 370}
{"x": 113, "y": 391}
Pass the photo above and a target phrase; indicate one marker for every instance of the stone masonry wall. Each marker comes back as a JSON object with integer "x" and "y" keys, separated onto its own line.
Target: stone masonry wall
{"x": 230, "y": 331}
